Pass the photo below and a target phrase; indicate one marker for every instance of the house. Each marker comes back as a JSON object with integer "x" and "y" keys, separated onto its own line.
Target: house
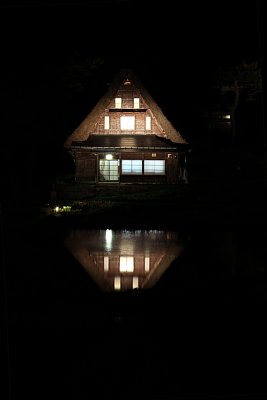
{"x": 126, "y": 138}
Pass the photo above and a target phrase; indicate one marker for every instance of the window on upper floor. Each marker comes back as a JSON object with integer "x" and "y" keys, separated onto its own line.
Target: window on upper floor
{"x": 117, "y": 102}
{"x": 147, "y": 264}
{"x": 127, "y": 123}
{"x": 136, "y": 102}
{"x": 148, "y": 123}
{"x": 106, "y": 122}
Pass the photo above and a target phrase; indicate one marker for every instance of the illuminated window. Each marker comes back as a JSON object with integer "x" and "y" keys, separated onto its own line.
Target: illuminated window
{"x": 127, "y": 123}
{"x": 135, "y": 282}
{"x": 126, "y": 264}
{"x": 118, "y": 102}
{"x": 117, "y": 282}
{"x": 148, "y": 123}
{"x": 131, "y": 167}
{"x": 147, "y": 264}
{"x": 154, "y": 167}
{"x": 106, "y": 123}
{"x": 106, "y": 263}
{"x": 108, "y": 170}
{"x": 136, "y": 102}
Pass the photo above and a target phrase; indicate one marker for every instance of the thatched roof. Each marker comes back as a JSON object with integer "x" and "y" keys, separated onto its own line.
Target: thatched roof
{"x": 87, "y": 127}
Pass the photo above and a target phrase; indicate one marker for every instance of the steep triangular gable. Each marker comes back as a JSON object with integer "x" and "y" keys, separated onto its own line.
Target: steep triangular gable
{"x": 124, "y": 77}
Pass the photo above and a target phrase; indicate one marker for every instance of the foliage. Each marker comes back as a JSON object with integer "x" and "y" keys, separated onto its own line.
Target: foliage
{"x": 79, "y": 72}
{"x": 245, "y": 78}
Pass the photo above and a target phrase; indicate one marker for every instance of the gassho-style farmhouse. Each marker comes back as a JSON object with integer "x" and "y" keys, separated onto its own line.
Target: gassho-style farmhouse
{"x": 126, "y": 138}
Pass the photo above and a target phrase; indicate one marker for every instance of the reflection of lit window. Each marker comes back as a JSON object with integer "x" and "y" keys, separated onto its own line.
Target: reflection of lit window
{"x": 147, "y": 264}
{"x": 106, "y": 263}
{"x": 135, "y": 282}
{"x": 117, "y": 282}
{"x": 106, "y": 123}
{"x": 154, "y": 167}
{"x": 148, "y": 123}
{"x": 131, "y": 167}
{"x": 127, "y": 122}
{"x": 126, "y": 264}
{"x": 136, "y": 102}
{"x": 118, "y": 102}
{"x": 108, "y": 239}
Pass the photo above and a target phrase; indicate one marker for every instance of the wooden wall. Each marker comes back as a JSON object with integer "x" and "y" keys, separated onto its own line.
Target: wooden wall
{"x": 87, "y": 166}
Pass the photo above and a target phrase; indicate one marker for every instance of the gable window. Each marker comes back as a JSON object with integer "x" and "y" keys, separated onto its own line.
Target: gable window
{"x": 106, "y": 122}
{"x": 136, "y": 102}
{"x": 127, "y": 123}
{"x": 147, "y": 264}
{"x": 131, "y": 167}
{"x": 118, "y": 102}
{"x": 148, "y": 123}
{"x": 154, "y": 167}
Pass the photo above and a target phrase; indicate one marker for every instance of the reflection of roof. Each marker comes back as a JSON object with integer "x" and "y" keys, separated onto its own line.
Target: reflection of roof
{"x": 93, "y": 247}
{"x": 126, "y": 142}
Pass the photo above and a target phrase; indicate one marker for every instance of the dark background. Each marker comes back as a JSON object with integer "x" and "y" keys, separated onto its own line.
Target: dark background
{"x": 56, "y": 61}
{"x": 58, "y": 57}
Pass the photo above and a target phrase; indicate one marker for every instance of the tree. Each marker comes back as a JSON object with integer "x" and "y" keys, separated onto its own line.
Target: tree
{"x": 243, "y": 81}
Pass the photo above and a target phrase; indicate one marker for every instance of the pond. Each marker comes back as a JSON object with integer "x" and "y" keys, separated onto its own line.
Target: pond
{"x": 120, "y": 260}
{"x": 144, "y": 313}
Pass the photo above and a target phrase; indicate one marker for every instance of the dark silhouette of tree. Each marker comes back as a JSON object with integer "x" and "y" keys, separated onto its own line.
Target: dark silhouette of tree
{"x": 242, "y": 82}
{"x": 78, "y": 73}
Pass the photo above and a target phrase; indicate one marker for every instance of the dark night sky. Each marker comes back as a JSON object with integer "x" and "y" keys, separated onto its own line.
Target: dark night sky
{"x": 174, "y": 47}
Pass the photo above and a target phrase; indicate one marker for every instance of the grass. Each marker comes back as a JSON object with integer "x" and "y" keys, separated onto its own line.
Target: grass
{"x": 196, "y": 204}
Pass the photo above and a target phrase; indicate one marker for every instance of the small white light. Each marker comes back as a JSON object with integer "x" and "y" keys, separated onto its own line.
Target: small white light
{"x": 228, "y": 116}
{"x": 57, "y": 209}
{"x": 109, "y": 157}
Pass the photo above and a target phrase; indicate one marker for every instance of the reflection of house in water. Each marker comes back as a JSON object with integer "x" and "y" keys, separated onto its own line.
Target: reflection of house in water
{"x": 123, "y": 259}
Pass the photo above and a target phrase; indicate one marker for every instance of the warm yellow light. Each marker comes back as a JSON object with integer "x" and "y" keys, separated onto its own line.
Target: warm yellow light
{"x": 57, "y": 209}
{"x": 126, "y": 264}
{"x": 228, "y": 116}
{"x": 135, "y": 282}
{"x": 109, "y": 157}
{"x": 117, "y": 283}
